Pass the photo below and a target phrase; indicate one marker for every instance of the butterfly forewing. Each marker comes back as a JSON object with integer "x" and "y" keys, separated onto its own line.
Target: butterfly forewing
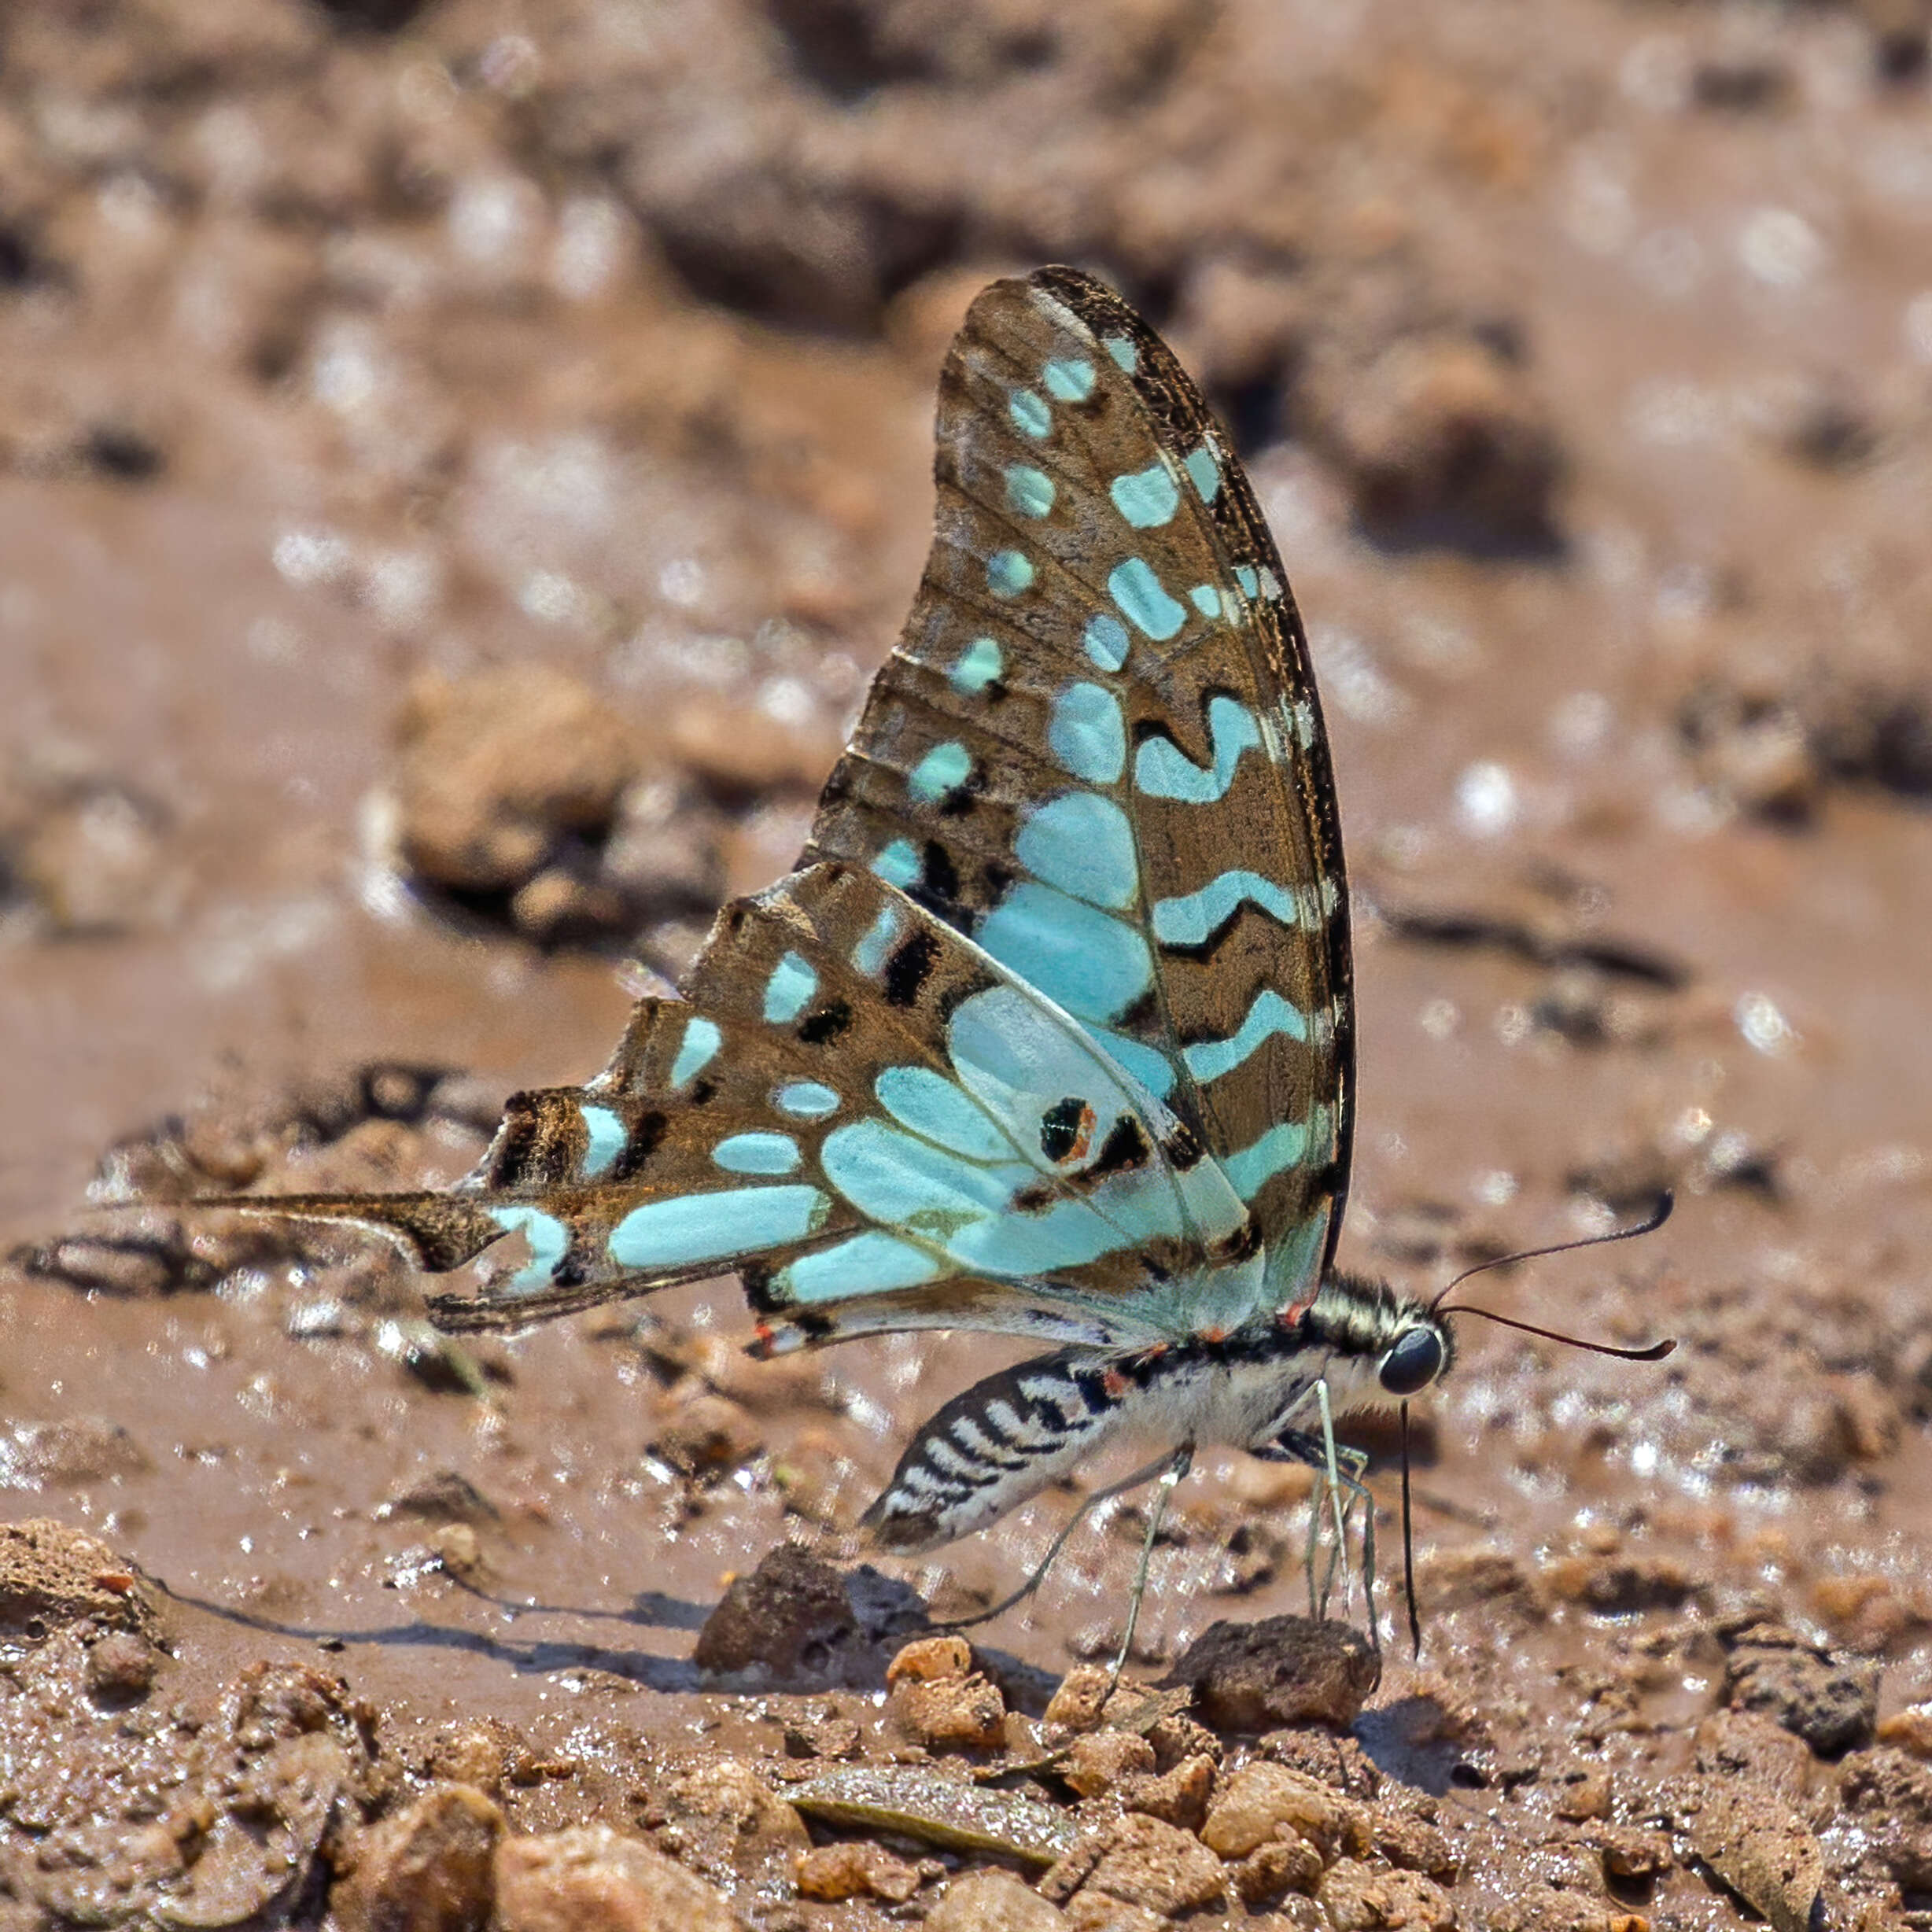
{"x": 1098, "y": 748}
{"x": 876, "y": 1124}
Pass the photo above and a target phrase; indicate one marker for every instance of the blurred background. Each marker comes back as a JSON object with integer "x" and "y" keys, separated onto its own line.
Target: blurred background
{"x": 459, "y": 465}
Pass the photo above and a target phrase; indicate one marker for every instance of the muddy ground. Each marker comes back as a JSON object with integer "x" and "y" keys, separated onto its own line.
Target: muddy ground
{"x": 458, "y": 465}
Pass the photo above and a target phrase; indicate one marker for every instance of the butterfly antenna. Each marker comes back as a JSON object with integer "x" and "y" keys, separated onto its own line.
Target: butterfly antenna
{"x": 1655, "y": 1351}
{"x": 1408, "y": 1543}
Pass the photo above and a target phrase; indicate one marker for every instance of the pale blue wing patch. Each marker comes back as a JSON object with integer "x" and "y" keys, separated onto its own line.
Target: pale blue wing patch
{"x": 716, "y": 1227}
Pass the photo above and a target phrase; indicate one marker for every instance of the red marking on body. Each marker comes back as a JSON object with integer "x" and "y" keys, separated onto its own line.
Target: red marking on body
{"x": 1115, "y": 1382}
{"x": 1291, "y": 1314}
{"x": 1210, "y": 1335}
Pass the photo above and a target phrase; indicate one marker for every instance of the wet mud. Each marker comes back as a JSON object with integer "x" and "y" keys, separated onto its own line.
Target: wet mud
{"x": 459, "y": 467}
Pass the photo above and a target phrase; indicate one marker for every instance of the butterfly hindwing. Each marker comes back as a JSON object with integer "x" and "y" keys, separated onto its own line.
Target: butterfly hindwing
{"x": 1098, "y": 748}
{"x": 874, "y": 1124}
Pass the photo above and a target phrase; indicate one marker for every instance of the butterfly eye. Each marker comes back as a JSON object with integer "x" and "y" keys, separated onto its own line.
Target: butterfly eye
{"x": 1414, "y": 1362}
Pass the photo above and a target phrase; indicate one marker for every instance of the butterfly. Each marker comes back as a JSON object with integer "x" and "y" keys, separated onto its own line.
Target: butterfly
{"x": 1052, "y": 1032}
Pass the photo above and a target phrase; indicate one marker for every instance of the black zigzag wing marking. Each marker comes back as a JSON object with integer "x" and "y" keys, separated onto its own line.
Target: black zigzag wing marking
{"x": 839, "y": 1115}
{"x": 1103, "y": 638}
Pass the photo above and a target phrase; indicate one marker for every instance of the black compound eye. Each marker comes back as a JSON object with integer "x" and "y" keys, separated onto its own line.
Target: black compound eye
{"x": 1414, "y": 1362}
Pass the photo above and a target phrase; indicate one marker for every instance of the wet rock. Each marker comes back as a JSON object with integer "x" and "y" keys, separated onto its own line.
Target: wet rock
{"x": 494, "y": 770}
{"x": 121, "y": 1667}
{"x": 489, "y": 1754}
{"x": 1138, "y": 1860}
{"x": 86, "y": 1450}
{"x": 936, "y": 1698}
{"x": 1281, "y": 1865}
{"x": 1761, "y": 1849}
{"x": 1079, "y": 1699}
{"x": 444, "y": 1497}
{"x": 1441, "y": 440}
{"x": 1177, "y": 1797}
{"x": 707, "y": 1436}
{"x": 1284, "y": 1670}
{"x": 1909, "y": 1730}
{"x": 1831, "y": 1702}
{"x": 1357, "y": 1897}
{"x": 51, "y": 1575}
{"x": 1262, "y": 1802}
{"x": 856, "y": 1870}
{"x": 1333, "y": 1759}
{"x": 1458, "y": 1580}
{"x": 430, "y": 1868}
{"x": 791, "y": 1617}
{"x": 723, "y": 1819}
{"x": 1631, "y": 1855}
{"x": 1616, "y": 1584}
{"x": 1098, "y": 1762}
{"x": 1889, "y": 1794}
{"x": 1176, "y": 1737}
{"x": 594, "y": 1879}
{"x": 993, "y": 1901}
{"x": 91, "y": 856}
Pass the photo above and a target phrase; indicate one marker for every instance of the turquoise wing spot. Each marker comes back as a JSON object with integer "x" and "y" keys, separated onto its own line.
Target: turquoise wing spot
{"x": 1144, "y": 600}
{"x": 941, "y": 771}
{"x": 1271, "y": 1014}
{"x": 1244, "y": 576}
{"x": 1148, "y": 498}
{"x": 932, "y": 1106}
{"x": 1031, "y": 415}
{"x": 1204, "y": 472}
{"x": 793, "y": 982}
{"x": 1251, "y": 1168}
{"x": 1162, "y": 770}
{"x": 806, "y": 1100}
{"x": 907, "y": 1182}
{"x": 898, "y": 864}
{"x": 1205, "y": 599}
{"x": 1152, "y": 1068}
{"x": 1009, "y": 573}
{"x": 608, "y": 1136}
{"x": 757, "y": 1153}
{"x": 549, "y": 1240}
{"x": 1271, "y": 585}
{"x": 1029, "y": 491}
{"x": 1193, "y": 920}
{"x": 1082, "y": 843}
{"x": 1068, "y": 380}
{"x": 1081, "y": 958}
{"x": 869, "y": 955}
{"x": 1088, "y": 734}
{"x": 978, "y": 665}
{"x": 1105, "y": 640}
{"x": 710, "y": 1227}
{"x": 1127, "y": 357}
{"x": 695, "y": 1052}
{"x": 870, "y": 1263}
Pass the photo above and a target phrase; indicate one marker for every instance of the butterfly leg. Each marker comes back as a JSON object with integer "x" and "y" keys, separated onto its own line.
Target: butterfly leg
{"x": 1342, "y": 1467}
{"x": 1177, "y": 1468}
{"x": 1087, "y": 1506}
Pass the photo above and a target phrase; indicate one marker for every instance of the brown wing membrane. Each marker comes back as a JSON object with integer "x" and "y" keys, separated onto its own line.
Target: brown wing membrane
{"x": 1097, "y": 746}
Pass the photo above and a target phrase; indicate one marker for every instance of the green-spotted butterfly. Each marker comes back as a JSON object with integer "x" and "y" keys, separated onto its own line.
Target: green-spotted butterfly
{"x": 1051, "y": 1032}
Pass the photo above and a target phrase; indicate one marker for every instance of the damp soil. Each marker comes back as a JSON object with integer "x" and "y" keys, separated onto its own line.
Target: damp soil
{"x": 458, "y": 466}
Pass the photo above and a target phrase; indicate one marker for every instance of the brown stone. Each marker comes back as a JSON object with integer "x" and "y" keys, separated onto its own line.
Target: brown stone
{"x": 993, "y": 1901}
{"x": 1281, "y": 1865}
{"x": 1158, "y": 1866}
{"x": 1761, "y": 1848}
{"x": 1359, "y": 1898}
{"x": 857, "y": 1869}
{"x": 1098, "y": 1762}
{"x": 594, "y": 1879}
{"x": 121, "y": 1667}
{"x": 1262, "y": 1802}
{"x": 706, "y": 1435}
{"x": 935, "y": 1698}
{"x": 1179, "y": 1797}
{"x": 1081, "y": 1697}
{"x": 50, "y": 1574}
{"x": 790, "y": 1616}
{"x": 1831, "y": 1702}
{"x": 1284, "y": 1670}
{"x": 723, "y": 1819}
{"x": 430, "y": 1868}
